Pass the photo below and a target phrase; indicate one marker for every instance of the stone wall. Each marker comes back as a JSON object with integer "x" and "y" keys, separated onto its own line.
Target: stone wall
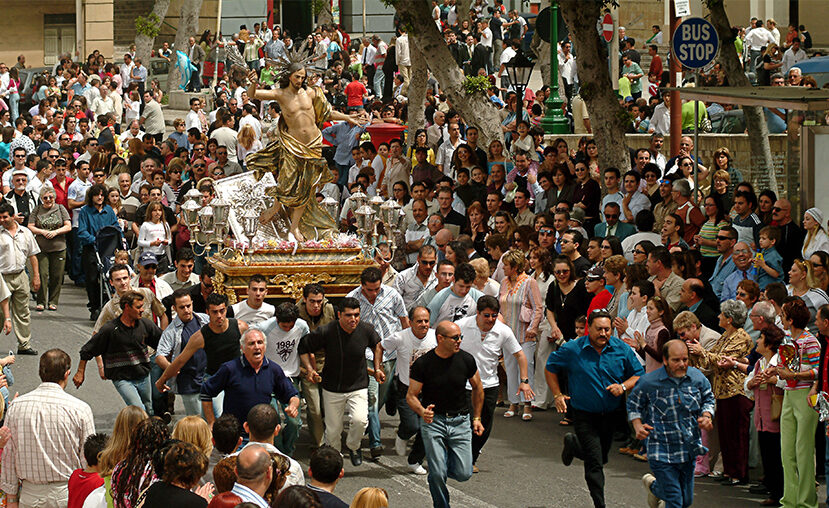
{"x": 740, "y": 150}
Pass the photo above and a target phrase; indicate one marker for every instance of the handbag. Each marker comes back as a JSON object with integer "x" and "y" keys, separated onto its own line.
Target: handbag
{"x": 776, "y": 405}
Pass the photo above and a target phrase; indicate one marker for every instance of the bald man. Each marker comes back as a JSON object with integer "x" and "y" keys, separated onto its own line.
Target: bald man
{"x": 691, "y": 297}
{"x": 437, "y": 393}
{"x": 254, "y": 473}
{"x": 791, "y": 235}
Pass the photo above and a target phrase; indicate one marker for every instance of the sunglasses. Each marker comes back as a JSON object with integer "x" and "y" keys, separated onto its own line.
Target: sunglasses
{"x": 198, "y": 165}
{"x": 724, "y": 238}
{"x": 611, "y": 215}
{"x": 562, "y": 272}
{"x": 456, "y": 338}
{"x": 427, "y": 263}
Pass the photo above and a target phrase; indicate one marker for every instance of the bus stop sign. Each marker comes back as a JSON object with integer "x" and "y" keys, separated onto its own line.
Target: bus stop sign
{"x": 695, "y": 43}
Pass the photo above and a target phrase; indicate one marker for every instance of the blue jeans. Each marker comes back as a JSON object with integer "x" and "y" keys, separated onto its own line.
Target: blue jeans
{"x": 448, "y": 444}
{"x": 377, "y": 394}
{"x": 409, "y": 426}
{"x": 379, "y": 82}
{"x": 14, "y": 105}
{"x": 674, "y": 482}
{"x": 135, "y": 392}
{"x": 285, "y": 441}
{"x": 342, "y": 178}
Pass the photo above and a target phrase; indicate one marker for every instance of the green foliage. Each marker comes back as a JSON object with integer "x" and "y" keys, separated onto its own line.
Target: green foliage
{"x": 317, "y": 6}
{"x": 149, "y": 25}
{"x": 476, "y": 84}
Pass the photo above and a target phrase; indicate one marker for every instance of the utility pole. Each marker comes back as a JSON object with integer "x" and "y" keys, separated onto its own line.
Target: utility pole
{"x": 676, "y": 79}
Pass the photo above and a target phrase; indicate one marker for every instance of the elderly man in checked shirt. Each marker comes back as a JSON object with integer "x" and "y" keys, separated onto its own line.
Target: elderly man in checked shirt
{"x": 48, "y": 429}
{"x": 669, "y": 406}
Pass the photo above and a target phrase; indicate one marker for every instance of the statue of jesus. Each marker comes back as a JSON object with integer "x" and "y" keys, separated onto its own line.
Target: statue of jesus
{"x": 296, "y": 153}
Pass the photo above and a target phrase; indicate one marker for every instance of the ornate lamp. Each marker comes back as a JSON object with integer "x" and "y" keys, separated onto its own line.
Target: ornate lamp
{"x": 250, "y": 224}
{"x": 365, "y": 227}
{"x": 519, "y": 70}
{"x": 359, "y": 199}
{"x": 190, "y": 214}
{"x": 331, "y": 206}
{"x": 376, "y": 202}
{"x": 206, "y": 220}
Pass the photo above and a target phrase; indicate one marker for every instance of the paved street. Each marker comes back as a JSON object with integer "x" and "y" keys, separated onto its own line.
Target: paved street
{"x": 520, "y": 466}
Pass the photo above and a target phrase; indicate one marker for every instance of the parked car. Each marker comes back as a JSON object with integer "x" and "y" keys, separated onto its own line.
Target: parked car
{"x": 818, "y": 68}
{"x": 27, "y": 81}
{"x": 160, "y": 69}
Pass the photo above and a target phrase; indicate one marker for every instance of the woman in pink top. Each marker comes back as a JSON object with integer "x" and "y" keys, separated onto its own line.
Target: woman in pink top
{"x": 761, "y": 385}
{"x": 522, "y": 309}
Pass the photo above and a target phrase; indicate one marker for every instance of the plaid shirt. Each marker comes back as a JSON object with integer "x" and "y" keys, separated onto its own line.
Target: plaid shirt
{"x": 384, "y": 314}
{"x": 672, "y": 407}
{"x": 48, "y": 429}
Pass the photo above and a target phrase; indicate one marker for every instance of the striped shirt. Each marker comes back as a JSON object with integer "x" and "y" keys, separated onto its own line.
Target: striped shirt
{"x": 408, "y": 284}
{"x": 709, "y": 231}
{"x": 808, "y": 350}
{"x": 384, "y": 314}
{"x": 48, "y": 429}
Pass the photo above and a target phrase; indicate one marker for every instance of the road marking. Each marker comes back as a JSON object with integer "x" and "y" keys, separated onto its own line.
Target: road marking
{"x": 459, "y": 498}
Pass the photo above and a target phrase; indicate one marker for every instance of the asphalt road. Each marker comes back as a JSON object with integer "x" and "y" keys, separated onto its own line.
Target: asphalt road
{"x": 520, "y": 465}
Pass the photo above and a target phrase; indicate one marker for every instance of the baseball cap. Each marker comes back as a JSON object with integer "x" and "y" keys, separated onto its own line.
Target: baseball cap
{"x": 595, "y": 273}
{"x": 148, "y": 258}
{"x": 21, "y": 171}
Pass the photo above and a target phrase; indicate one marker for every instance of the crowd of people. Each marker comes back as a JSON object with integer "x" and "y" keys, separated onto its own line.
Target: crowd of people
{"x": 649, "y": 308}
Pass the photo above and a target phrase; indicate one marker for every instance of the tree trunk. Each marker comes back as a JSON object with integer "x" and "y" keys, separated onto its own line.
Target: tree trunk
{"x": 144, "y": 43}
{"x": 462, "y": 8}
{"x": 188, "y": 26}
{"x": 417, "y": 93}
{"x": 424, "y": 37}
{"x": 541, "y": 50}
{"x": 607, "y": 117}
{"x": 758, "y": 133}
{"x": 324, "y": 16}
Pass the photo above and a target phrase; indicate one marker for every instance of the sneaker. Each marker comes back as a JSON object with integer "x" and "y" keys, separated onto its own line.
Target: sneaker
{"x": 653, "y": 501}
{"x": 27, "y": 351}
{"x": 570, "y": 447}
{"x": 399, "y": 446}
{"x": 417, "y": 469}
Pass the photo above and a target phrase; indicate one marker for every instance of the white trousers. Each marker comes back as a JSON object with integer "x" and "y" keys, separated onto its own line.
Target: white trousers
{"x": 335, "y": 405}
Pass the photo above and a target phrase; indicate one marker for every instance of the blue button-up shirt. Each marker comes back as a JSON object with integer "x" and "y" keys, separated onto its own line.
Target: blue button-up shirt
{"x": 721, "y": 271}
{"x": 672, "y": 406}
{"x": 90, "y": 221}
{"x": 344, "y": 137}
{"x": 589, "y": 373}
{"x": 729, "y": 286}
{"x": 245, "y": 388}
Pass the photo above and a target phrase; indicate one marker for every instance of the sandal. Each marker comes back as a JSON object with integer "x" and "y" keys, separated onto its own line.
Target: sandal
{"x": 527, "y": 417}
{"x": 509, "y": 413}
{"x": 39, "y": 308}
{"x": 53, "y": 307}
{"x": 565, "y": 422}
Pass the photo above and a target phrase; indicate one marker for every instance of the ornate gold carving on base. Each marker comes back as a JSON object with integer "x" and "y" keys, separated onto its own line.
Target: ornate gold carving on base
{"x": 219, "y": 287}
{"x": 293, "y": 285}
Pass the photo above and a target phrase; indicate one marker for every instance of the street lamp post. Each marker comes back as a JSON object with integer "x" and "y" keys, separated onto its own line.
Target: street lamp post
{"x": 519, "y": 69}
{"x": 554, "y": 121}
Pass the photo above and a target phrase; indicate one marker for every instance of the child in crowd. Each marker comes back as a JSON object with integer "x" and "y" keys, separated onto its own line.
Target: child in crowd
{"x": 769, "y": 262}
{"x": 84, "y": 481}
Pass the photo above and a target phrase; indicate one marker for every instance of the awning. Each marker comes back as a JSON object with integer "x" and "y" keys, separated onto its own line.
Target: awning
{"x": 786, "y": 97}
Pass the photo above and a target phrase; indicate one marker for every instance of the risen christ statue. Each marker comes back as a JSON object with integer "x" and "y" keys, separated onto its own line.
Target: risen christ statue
{"x": 296, "y": 153}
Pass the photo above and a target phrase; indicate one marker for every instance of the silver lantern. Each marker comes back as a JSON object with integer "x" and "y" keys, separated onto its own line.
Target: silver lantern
{"x": 331, "y": 206}
{"x": 190, "y": 213}
{"x": 250, "y": 224}
{"x": 206, "y": 220}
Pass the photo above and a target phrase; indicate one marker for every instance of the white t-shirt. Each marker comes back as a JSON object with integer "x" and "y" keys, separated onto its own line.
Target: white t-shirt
{"x": 77, "y": 192}
{"x": 447, "y": 306}
{"x": 409, "y": 348}
{"x": 227, "y": 138}
{"x": 192, "y": 120}
{"x": 487, "y": 348}
{"x": 282, "y": 345}
{"x": 251, "y": 316}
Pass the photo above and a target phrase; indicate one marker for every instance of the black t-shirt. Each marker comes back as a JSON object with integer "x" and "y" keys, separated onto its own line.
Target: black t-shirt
{"x": 581, "y": 264}
{"x": 495, "y": 26}
{"x": 164, "y": 494}
{"x": 567, "y": 308}
{"x": 444, "y": 380}
{"x": 345, "y": 354}
{"x": 221, "y": 347}
{"x": 764, "y": 75}
{"x": 327, "y": 499}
